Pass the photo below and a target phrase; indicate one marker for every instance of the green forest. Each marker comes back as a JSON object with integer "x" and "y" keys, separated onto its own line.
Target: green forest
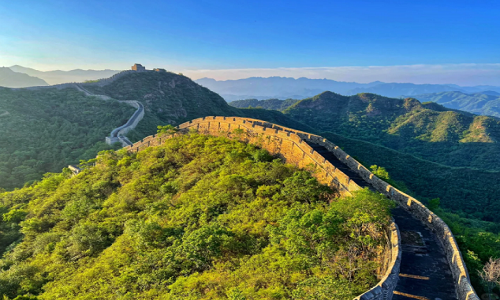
{"x": 463, "y": 197}
{"x": 199, "y": 217}
{"x": 45, "y": 130}
{"x": 426, "y": 130}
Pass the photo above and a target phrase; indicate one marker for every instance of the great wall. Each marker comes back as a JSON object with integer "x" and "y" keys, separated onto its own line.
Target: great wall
{"x": 423, "y": 260}
{"x": 118, "y": 134}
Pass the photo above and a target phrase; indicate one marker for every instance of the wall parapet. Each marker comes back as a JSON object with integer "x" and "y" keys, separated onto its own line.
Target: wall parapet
{"x": 385, "y": 288}
{"x": 290, "y": 145}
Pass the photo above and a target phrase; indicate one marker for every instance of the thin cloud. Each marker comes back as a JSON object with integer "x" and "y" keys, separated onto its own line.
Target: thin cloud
{"x": 461, "y": 74}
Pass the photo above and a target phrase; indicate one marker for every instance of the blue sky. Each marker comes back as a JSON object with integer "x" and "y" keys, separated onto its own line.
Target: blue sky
{"x": 240, "y": 35}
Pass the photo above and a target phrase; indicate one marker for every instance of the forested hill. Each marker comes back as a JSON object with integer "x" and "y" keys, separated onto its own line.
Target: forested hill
{"x": 273, "y": 104}
{"x": 197, "y": 218}
{"x": 426, "y": 130}
{"x": 484, "y": 103}
{"x": 45, "y": 129}
{"x": 171, "y": 98}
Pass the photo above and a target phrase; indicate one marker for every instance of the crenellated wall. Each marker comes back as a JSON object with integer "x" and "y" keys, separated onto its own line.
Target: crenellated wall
{"x": 291, "y": 146}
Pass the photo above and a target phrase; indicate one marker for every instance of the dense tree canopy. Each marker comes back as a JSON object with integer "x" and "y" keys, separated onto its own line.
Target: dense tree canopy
{"x": 45, "y": 130}
{"x": 197, "y": 218}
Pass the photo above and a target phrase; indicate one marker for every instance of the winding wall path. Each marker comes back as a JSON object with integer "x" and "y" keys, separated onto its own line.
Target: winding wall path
{"x": 423, "y": 259}
{"x": 119, "y": 134}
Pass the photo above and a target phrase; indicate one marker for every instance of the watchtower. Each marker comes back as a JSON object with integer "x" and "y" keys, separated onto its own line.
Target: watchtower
{"x": 138, "y": 68}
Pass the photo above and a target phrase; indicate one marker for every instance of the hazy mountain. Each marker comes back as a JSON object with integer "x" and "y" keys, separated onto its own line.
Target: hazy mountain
{"x": 56, "y": 77}
{"x": 479, "y": 89}
{"x": 491, "y": 93}
{"x": 485, "y": 103}
{"x": 284, "y": 88}
{"x": 399, "y": 89}
{"x": 9, "y": 78}
{"x": 277, "y": 87}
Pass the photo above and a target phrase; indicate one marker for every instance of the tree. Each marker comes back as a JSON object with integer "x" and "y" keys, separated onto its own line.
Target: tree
{"x": 434, "y": 204}
{"x": 490, "y": 274}
{"x": 168, "y": 129}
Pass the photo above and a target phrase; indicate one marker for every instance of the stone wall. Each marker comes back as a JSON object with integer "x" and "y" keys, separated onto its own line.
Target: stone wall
{"x": 385, "y": 288}
{"x": 291, "y": 147}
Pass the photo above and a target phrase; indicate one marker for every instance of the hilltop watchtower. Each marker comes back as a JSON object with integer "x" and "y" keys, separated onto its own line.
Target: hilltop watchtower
{"x": 138, "y": 68}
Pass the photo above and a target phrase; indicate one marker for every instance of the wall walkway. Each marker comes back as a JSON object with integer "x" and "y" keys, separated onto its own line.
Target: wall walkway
{"x": 118, "y": 134}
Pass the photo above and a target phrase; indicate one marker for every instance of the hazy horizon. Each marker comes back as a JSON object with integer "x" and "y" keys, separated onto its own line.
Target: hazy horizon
{"x": 445, "y": 42}
{"x": 459, "y": 74}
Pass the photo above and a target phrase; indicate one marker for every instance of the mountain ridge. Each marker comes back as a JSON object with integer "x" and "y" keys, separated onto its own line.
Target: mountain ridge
{"x": 58, "y": 76}
{"x": 12, "y": 79}
{"x": 427, "y": 130}
{"x": 482, "y": 103}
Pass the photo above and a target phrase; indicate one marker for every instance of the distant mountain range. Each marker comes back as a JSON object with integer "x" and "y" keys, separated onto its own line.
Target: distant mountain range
{"x": 277, "y": 87}
{"x": 484, "y": 103}
{"x": 255, "y": 87}
{"x": 11, "y": 79}
{"x": 285, "y": 87}
{"x": 57, "y": 77}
